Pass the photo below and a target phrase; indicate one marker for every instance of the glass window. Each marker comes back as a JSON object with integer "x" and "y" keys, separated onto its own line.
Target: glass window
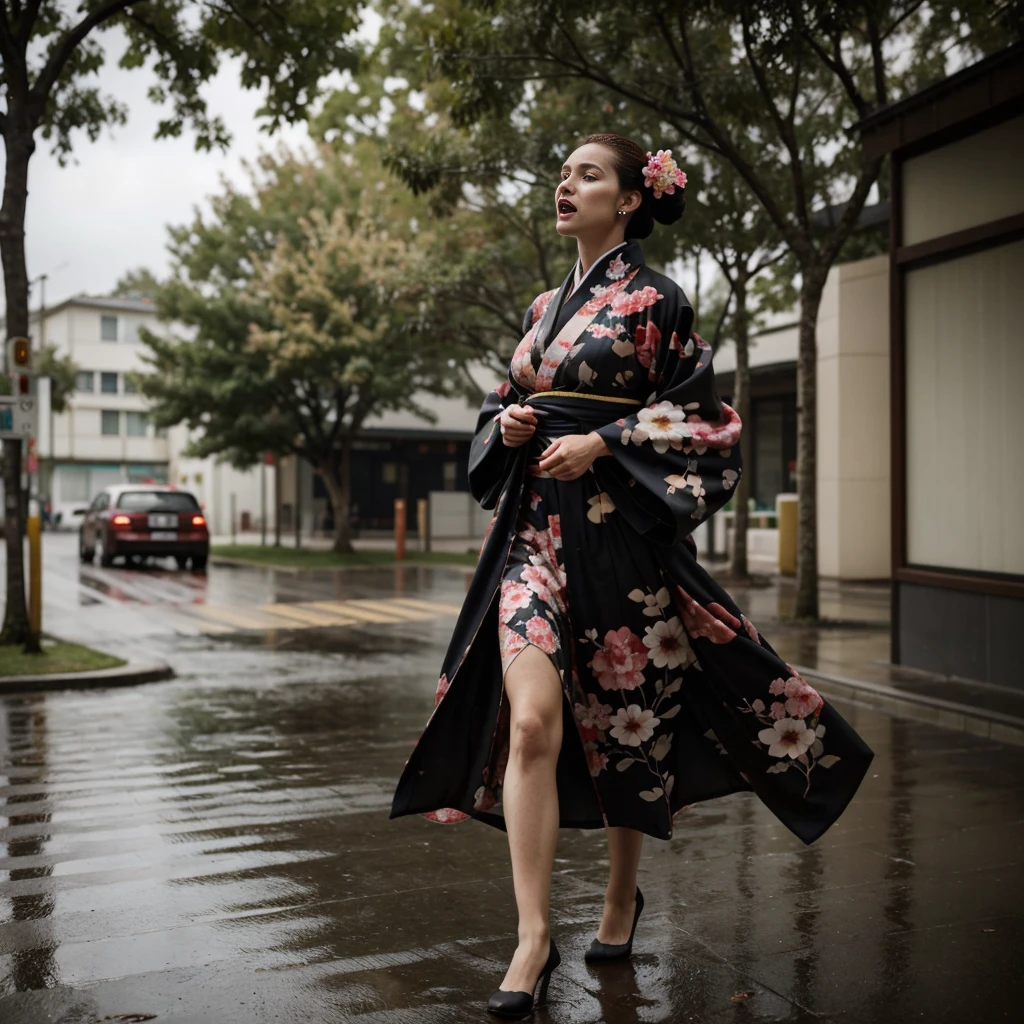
{"x": 108, "y": 383}
{"x": 129, "y": 385}
{"x": 153, "y": 501}
{"x": 160, "y": 432}
{"x": 108, "y": 328}
{"x": 84, "y": 380}
{"x": 73, "y": 482}
{"x": 110, "y": 422}
{"x": 135, "y": 424}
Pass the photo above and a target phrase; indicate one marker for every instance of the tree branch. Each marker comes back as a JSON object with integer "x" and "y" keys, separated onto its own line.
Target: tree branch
{"x": 62, "y": 51}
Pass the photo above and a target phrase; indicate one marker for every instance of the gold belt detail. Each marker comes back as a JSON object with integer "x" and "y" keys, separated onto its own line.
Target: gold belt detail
{"x": 577, "y": 394}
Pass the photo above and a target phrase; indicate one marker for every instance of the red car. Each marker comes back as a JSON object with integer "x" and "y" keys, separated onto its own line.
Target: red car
{"x": 136, "y": 521}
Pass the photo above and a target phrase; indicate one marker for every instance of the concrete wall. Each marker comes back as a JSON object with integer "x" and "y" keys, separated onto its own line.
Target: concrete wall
{"x": 853, "y": 422}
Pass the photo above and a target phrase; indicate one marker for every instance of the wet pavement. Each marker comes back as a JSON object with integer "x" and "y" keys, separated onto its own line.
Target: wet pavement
{"x": 216, "y": 848}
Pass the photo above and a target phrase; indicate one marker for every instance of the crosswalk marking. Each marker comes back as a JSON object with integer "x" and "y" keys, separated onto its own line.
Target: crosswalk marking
{"x": 302, "y": 614}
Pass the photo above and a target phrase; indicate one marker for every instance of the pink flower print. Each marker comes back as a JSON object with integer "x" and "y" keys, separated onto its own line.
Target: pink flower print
{"x": 777, "y": 688}
{"x": 600, "y": 331}
{"x": 632, "y": 726}
{"x": 777, "y": 710}
{"x": 627, "y": 303}
{"x": 540, "y": 634}
{"x": 604, "y": 294}
{"x": 700, "y": 621}
{"x": 802, "y": 699}
{"x": 594, "y": 714}
{"x": 617, "y": 269}
{"x": 596, "y": 761}
{"x": 502, "y": 389}
{"x": 751, "y": 630}
{"x": 788, "y": 737}
{"x": 484, "y": 799}
{"x": 442, "y": 689}
{"x": 674, "y": 343}
{"x": 555, "y": 531}
{"x": 445, "y": 815}
{"x": 647, "y": 337}
{"x": 513, "y": 597}
{"x": 510, "y": 643}
{"x": 540, "y": 304}
{"x": 723, "y": 434}
{"x": 619, "y": 664}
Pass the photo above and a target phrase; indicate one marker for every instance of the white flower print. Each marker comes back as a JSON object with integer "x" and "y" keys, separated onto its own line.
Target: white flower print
{"x": 653, "y": 602}
{"x": 788, "y": 737}
{"x": 729, "y": 478}
{"x": 664, "y": 425}
{"x": 668, "y": 643}
{"x": 632, "y": 726}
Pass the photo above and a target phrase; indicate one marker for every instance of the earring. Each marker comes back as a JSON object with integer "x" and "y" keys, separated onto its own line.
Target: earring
{"x": 622, "y": 213}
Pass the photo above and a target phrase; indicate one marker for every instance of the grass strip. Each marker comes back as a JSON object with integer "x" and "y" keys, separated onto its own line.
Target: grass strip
{"x": 307, "y": 558}
{"x": 57, "y": 656}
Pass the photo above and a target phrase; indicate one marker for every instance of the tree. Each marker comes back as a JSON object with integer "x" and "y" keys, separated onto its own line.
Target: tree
{"x": 62, "y": 372}
{"x": 140, "y": 283}
{"x": 764, "y": 85}
{"x": 49, "y": 50}
{"x": 299, "y": 341}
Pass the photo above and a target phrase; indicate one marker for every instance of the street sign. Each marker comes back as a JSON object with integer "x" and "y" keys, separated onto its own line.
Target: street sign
{"x": 17, "y": 415}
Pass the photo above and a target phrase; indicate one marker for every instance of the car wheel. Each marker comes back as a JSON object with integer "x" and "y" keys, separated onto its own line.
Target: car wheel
{"x": 182, "y": 561}
{"x": 105, "y": 560}
{"x": 84, "y": 553}
{"x": 199, "y": 562}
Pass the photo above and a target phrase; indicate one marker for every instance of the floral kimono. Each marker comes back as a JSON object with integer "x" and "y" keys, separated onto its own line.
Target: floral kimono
{"x": 671, "y": 695}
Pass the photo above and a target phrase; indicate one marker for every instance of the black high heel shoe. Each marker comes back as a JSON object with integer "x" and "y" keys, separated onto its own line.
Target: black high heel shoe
{"x": 518, "y": 1005}
{"x": 599, "y": 952}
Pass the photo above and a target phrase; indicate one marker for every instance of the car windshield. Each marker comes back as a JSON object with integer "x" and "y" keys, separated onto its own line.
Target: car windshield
{"x": 157, "y": 501}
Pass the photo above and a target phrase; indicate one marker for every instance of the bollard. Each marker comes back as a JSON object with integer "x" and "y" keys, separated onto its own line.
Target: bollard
{"x": 423, "y": 522}
{"x": 786, "y": 520}
{"x": 399, "y": 529}
{"x": 35, "y": 569}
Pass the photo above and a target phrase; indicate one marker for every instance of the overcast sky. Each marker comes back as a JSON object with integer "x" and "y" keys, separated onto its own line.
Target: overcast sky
{"x": 108, "y": 211}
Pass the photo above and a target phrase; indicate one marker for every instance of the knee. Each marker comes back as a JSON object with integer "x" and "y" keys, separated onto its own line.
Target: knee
{"x": 532, "y": 739}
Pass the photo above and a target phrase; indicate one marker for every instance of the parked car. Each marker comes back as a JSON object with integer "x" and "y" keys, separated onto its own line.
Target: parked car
{"x": 141, "y": 520}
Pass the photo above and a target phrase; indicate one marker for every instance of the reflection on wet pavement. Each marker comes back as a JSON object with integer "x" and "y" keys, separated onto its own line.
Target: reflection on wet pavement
{"x": 216, "y": 849}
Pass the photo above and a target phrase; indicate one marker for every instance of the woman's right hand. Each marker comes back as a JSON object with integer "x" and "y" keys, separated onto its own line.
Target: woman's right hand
{"x": 518, "y": 423}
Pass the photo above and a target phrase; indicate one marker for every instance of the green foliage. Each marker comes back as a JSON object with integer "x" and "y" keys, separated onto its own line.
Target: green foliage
{"x": 62, "y": 372}
{"x": 140, "y": 283}
{"x": 303, "y": 298}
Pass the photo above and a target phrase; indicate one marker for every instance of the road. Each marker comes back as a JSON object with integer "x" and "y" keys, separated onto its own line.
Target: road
{"x": 216, "y": 848}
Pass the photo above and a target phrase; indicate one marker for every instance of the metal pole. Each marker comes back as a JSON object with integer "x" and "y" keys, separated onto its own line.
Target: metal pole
{"x": 277, "y": 500}
{"x": 35, "y": 569}
{"x": 399, "y": 529}
{"x": 233, "y": 537}
{"x": 263, "y": 503}
{"x": 298, "y": 501}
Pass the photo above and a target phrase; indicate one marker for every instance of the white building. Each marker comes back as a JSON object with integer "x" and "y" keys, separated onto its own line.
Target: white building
{"x": 105, "y": 436}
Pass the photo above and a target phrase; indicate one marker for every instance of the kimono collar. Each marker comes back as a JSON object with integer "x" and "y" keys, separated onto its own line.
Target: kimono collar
{"x": 612, "y": 266}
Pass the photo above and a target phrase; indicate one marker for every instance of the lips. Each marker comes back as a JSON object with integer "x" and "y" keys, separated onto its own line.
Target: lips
{"x": 564, "y": 206}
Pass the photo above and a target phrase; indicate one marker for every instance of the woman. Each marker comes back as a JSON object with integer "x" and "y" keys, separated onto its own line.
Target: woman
{"x": 598, "y": 676}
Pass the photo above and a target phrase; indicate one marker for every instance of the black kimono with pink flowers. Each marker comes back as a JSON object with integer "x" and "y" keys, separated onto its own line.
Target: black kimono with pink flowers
{"x": 671, "y": 695}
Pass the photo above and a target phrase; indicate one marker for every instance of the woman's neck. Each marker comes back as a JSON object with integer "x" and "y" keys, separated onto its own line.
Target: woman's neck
{"x": 591, "y": 250}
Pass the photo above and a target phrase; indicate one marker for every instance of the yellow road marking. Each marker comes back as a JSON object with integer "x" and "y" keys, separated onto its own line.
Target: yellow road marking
{"x": 428, "y": 606}
{"x": 353, "y": 609}
{"x": 303, "y": 614}
{"x": 391, "y": 607}
{"x": 244, "y": 618}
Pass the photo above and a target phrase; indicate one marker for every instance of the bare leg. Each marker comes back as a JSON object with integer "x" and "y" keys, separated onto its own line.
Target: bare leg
{"x": 624, "y": 848}
{"x": 530, "y": 801}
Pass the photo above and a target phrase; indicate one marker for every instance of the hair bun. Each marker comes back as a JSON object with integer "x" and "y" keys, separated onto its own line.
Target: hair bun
{"x": 668, "y": 208}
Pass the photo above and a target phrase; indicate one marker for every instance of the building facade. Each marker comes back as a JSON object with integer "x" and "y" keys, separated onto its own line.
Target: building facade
{"x": 956, "y": 267}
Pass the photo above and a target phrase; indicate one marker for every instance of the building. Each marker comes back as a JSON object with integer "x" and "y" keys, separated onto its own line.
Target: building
{"x": 956, "y": 267}
{"x": 105, "y": 436}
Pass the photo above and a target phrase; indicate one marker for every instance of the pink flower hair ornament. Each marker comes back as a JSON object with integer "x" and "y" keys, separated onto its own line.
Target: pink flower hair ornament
{"x": 662, "y": 173}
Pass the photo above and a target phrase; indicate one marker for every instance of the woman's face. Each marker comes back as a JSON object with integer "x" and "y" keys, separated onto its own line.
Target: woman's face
{"x": 588, "y": 198}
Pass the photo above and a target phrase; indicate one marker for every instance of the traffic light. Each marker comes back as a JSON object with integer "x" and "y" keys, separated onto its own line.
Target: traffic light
{"x": 19, "y": 355}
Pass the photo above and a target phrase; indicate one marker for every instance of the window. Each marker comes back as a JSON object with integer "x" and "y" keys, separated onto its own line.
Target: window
{"x": 84, "y": 380}
{"x": 129, "y": 385}
{"x": 160, "y": 432}
{"x": 110, "y": 422}
{"x": 158, "y": 501}
{"x": 135, "y": 424}
{"x": 108, "y": 328}
{"x": 108, "y": 383}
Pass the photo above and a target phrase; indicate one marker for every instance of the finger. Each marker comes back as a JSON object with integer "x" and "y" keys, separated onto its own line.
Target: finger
{"x": 523, "y": 415}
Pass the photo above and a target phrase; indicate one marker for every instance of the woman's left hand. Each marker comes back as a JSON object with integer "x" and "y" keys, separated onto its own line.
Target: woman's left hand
{"x": 569, "y": 457}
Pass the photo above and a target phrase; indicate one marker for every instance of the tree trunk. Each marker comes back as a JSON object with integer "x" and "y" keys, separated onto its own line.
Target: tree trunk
{"x": 19, "y": 147}
{"x": 337, "y": 476}
{"x": 741, "y": 399}
{"x": 811, "y": 288}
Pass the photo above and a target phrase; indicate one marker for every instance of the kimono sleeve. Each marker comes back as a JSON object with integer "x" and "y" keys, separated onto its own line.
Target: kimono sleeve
{"x": 490, "y": 461}
{"x": 677, "y": 460}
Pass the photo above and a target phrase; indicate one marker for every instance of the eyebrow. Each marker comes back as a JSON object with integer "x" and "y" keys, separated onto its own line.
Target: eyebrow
{"x": 584, "y": 167}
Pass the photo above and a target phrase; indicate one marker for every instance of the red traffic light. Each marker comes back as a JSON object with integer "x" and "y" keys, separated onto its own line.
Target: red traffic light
{"x": 23, "y": 384}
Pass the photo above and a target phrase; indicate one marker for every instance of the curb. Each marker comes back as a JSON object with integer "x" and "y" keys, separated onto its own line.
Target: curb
{"x": 126, "y": 675}
{"x": 947, "y": 714}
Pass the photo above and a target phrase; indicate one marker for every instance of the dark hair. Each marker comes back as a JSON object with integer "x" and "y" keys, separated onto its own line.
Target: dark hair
{"x": 629, "y": 162}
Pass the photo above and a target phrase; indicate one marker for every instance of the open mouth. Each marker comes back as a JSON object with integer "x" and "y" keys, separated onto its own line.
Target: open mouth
{"x": 564, "y": 206}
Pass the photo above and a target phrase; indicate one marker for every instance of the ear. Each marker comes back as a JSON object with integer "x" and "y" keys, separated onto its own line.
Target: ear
{"x": 632, "y": 201}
